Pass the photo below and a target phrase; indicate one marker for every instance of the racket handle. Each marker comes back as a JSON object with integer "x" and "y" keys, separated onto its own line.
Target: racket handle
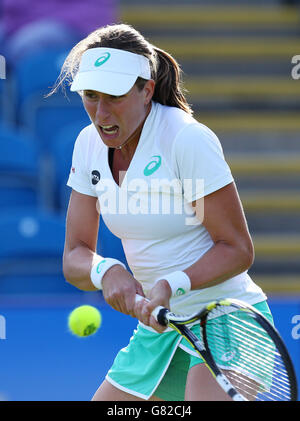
{"x": 159, "y": 313}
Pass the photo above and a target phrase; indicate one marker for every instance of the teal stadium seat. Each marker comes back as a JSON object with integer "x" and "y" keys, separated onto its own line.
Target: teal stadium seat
{"x": 31, "y": 255}
{"x": 19, "y": 169}
{"x": 33, "y": 77}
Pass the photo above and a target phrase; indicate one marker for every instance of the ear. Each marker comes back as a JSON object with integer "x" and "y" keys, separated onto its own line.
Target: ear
{"x": 149, "y": 91}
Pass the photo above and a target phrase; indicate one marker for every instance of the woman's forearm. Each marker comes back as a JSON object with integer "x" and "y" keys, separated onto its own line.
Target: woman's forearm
{"x": 221, "y": 262}
{"x": 77, "y": 264}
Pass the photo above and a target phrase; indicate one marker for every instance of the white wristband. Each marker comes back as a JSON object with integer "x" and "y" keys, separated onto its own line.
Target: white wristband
{"x": 100, "y": 268}
{"x": 179, "y": 283}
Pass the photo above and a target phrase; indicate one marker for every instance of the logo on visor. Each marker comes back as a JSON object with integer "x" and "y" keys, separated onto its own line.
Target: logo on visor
{"x": 102, "y": 59}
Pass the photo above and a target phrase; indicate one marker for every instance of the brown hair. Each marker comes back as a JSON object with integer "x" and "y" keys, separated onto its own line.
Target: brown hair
{"x": 165, "y": 71}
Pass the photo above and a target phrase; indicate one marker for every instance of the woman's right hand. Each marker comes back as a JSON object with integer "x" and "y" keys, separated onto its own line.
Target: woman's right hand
{"x": 119, "y": 289}
{"x": 159, "y": 295}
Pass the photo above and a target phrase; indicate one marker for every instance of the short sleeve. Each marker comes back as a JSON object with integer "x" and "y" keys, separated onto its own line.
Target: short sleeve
{"x": 79, "y": 178}
{"x": 200, "y": 162}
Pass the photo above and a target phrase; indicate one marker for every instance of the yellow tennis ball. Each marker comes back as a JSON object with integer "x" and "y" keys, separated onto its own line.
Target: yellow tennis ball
{"x": 84, "y": 320}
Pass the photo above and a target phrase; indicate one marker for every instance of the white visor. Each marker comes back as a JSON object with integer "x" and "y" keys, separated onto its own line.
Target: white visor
{"x": 110, "y": 71}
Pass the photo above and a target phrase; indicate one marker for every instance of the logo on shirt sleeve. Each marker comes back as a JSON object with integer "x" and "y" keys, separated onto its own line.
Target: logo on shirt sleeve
{"x": 95, "y": 177}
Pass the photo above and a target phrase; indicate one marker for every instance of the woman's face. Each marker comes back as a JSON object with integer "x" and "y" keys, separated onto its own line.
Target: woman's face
{"x": 117, "y": 118}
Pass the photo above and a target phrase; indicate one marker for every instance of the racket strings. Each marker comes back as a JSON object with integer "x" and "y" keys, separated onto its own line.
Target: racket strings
{"x": 257, "y": 358}
{"x": 247, "y": 355}
{"x": 247, "y": 366}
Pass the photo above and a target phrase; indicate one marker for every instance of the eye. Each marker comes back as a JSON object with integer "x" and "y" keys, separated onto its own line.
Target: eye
{"x": 90, "y": 94}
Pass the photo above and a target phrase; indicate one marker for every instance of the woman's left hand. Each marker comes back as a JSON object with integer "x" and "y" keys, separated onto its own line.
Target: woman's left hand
{"x": 158, "y": 296}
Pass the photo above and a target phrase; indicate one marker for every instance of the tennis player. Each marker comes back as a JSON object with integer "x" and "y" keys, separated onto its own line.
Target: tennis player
{"x": 163, "y": 187}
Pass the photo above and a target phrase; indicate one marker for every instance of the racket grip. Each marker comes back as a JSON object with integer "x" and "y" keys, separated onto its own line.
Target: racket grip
{"x": 158, "y": 313}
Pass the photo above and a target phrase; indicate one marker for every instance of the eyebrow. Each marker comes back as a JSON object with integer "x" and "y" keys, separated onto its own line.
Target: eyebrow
{"x": 97, "y": 92}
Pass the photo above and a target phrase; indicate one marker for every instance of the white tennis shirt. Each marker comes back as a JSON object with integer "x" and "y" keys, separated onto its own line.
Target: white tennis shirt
{"x": 177, "y": 160}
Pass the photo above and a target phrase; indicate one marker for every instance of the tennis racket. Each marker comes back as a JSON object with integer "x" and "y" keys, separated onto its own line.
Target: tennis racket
{"x": 241, "y": 348}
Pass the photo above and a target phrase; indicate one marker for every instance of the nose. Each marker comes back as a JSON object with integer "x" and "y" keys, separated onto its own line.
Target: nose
{"x": 102, "y": 111}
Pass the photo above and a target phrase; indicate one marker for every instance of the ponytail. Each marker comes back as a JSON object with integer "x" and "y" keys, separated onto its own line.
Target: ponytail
{"x": 168, "y": 82}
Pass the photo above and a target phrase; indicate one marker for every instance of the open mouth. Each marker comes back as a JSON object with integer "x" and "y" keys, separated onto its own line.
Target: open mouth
{"x": 109, "y": 130}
